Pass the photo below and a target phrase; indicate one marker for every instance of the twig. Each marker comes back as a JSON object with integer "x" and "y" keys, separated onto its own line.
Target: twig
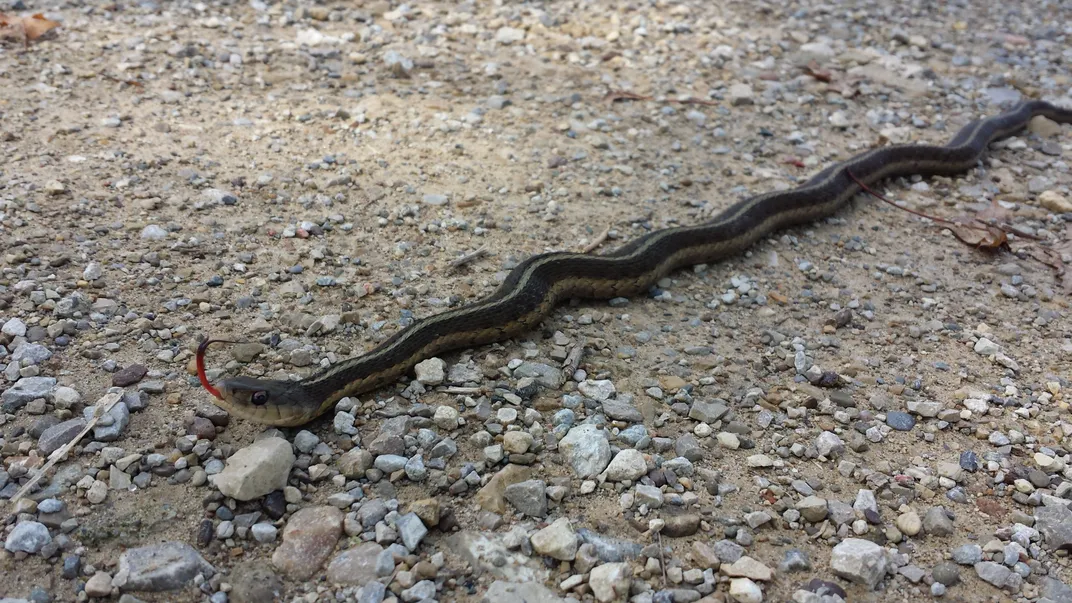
{"x": 104, "y": 405}
{"x": 597, "y": 241}
{"x": 573, "y": 360}
{"x": 984, "y": 228}
{"x": 469, "y": 257}
{"x": 878, "y": 196}
{"x": 616, "y": 95}
{"x": 462, "y": 390}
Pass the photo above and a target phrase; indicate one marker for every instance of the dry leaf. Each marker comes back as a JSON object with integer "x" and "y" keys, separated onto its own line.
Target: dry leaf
{"x": 980, "y": 236}
{"x": 26, "y": 28}
{"x": 812, "y": 69}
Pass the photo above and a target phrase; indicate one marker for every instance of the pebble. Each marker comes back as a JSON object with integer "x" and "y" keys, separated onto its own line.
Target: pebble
{"x": 160, "y": 567}
{"x": 27, "y": 537}
{"x": 256, "y": 470}
{"x": 859, "y": 561}
{"x": 308, "y": 540}
{"x": 586, "y": 450}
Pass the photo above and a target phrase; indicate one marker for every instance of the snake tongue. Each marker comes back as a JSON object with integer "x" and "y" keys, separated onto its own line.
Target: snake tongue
{"x": 201, "y": 369}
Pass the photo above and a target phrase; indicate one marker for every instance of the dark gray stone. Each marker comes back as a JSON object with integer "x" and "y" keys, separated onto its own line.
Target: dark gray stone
{"x": 622, "y": 411}
{"x": 528, "y": 497}
{"x": 608, "y": 549}
{"x": 707, "y": 412}
{"x": 1055, "y": 523}
{"x": 160, "y": 567}
{"x": 901, "y": 421}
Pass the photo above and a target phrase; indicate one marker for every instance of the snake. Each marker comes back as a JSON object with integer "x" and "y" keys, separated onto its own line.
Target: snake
{"x": 539, "y": 283}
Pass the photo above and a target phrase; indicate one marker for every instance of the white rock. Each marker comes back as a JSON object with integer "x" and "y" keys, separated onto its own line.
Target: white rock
{"x": 986, "y": 347}
{"x": 256, "y": 470}
{"x": 431, "y": 371}
{"x": 744, "y": 590}
{"x": 610, "y": 581}
{"x": 557, "y": 540}
{"x": 629, "y": 464}
{"x": 586, "y": 450}
{"x": 860, "y": 561}
{"x": 446, "y": 417}
{"x": 741, "y": 94}
{"x": 509, "y": 35}
{"x": 14, "y": 328}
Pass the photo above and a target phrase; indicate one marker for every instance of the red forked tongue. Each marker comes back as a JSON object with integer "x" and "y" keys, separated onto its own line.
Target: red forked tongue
{"x": 201, "y": 367}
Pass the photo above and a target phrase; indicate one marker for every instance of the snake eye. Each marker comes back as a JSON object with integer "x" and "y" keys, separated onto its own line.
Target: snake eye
{"x": 259, "y": 398}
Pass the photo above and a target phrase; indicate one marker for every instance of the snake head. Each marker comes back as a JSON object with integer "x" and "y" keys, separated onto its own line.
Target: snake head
{"x": 269, "y": 402}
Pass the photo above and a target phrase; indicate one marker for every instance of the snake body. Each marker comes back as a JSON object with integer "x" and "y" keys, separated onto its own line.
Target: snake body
{"x": 535, "y": 286}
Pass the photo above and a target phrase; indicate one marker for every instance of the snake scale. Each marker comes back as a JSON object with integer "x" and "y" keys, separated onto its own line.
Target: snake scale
{"x": 535, "y": 286}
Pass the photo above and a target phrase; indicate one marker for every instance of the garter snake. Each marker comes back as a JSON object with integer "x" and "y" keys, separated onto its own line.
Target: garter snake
{"x": 535, "y": 286}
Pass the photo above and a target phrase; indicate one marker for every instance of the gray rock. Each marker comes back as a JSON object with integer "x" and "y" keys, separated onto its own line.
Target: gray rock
{"x": 937, "y": 523}
{"x": 160, "y": 567}
{"x": 608, "y": 549}
{"x": 1054, "y": 590}
{"x": 629, "y": 464}
{"x": 25, "y": 390}
{"x": 373, "y": 592}
{"x": 707, "y": 412}
{"x": 829, "y": 445}
{"x": 947, "y": 573}
{"x": 994, "y": 573}
{"x": 860, "y": 561}
{"x": 389, "y": 463}
{"x": 360, "y": 565}
{"x": 968, "y": 554}
{"x": 424, "y": 590}
{"x": 795, "y": 560}
{"x": 411, "y": 529}
{"x": 112, "y": 424}
{"x": 372, "y": 512}
{"x": 622, "y": 411}
{"x": 557, "y": 540}
{"x": 543, "y": 374}
{"x": 27, "y": 537}
{"x": 56, "y": 436}
{"x": 649, "y": 495}
{"x": 728, "y": 551}
{"x": 30, "y": 353}
{"x": 1055, "y": 524}
{"x": 901, "y": 421}
{"x": 253, "y": 582}
{"x": 528, "y": 497}
{"x": 586, "y": 450}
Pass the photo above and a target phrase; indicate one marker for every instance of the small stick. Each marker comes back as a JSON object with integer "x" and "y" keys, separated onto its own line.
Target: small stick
{"x": 573, "y": 360}
{"x": 462, "y": 390}
{"x": 878, "y": 196}
{"x": 597, "y": 241}
{"x": 469, "y": 257}
{"x": 104, "y": 405}
{"x": 616, "y": 95}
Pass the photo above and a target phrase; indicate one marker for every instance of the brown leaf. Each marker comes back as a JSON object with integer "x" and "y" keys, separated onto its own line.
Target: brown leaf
{"x": 812, "y": 69}
{"x": 27, "y": 28}
{"x": 37, "y": 25}
{"x": 980, "y": 236}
